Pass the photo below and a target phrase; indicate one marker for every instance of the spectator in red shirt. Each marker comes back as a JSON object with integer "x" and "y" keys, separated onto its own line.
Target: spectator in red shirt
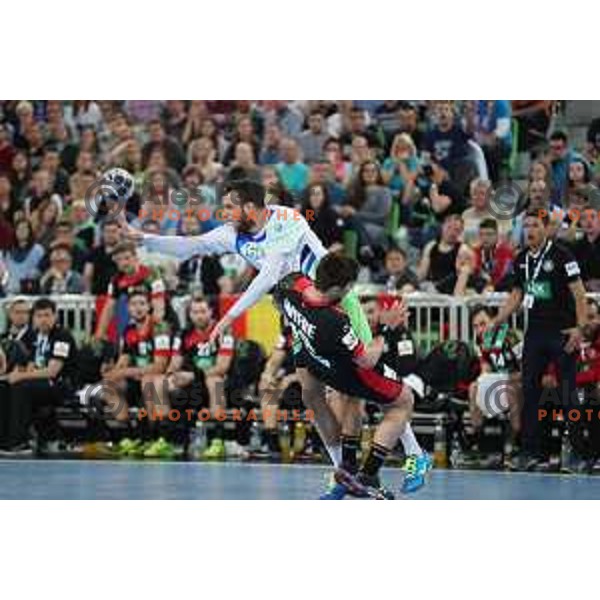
{"x": 493, "y": 257}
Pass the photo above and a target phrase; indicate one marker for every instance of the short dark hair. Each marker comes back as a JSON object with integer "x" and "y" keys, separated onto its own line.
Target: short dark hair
{"x": 123, "y": 247}
{"x": 536, "y": 213}
{"x": 335, "y": 270}
{"x": 488, "y": 224}
{"x": 247, "y": 191}
{"x": 43, "y": 304}
{"x": 480, "y": 308}
{"x": 396, "y": 250}
{"x": 559, "y": 136}
{"x": 64, "y": 224}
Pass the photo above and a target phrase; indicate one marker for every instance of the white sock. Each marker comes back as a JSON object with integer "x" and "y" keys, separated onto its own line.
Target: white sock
{"x": 409, "y": 441}
{"x": 335, "y": 453}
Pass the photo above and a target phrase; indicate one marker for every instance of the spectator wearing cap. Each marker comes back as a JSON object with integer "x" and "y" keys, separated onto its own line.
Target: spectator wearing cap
{"x": 293, "y": 172}
{"x": 311, "y": 141}
{"x": 60, "y": 278}
{"x": 493, "y": 257}
{"x": 22, "y": 261}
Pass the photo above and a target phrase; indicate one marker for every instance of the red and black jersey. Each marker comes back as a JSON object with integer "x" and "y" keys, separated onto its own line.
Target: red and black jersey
{"x": 588, "y": 363}
{"x": 326, "y": 345}
{"x": 198, "y": 351}
{"x": 144, "y": 278}
{"x": 144, "y": 344}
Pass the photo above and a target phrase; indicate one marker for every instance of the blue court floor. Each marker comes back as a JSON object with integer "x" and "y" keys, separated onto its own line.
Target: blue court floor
{"x": 88, "y": 480}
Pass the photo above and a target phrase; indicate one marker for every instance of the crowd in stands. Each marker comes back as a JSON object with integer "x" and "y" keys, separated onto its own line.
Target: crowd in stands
{"x": 413, "y": 178}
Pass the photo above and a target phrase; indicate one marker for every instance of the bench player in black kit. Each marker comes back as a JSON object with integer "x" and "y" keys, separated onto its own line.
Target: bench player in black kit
{"x": 327, "y": 352}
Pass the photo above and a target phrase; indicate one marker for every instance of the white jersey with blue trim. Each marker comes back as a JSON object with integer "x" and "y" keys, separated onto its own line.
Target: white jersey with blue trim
{"x": 286, "y": 244}
{"x": 285, "y": 233}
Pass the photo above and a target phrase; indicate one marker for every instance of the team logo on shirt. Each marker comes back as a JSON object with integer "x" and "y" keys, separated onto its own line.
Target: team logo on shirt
{"x": 572, "y": 269}
{"x": 548, "y": 266}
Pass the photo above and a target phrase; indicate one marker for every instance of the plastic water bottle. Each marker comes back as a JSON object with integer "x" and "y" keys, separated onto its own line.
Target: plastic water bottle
{"x": 284, "y": 443}
{"x": 455, "y": 451}
{"x": 299, "y": 438}
{"x": 566, "y": 449}
{"x": 255, "y": 442}
{"x": 199, "y": 441}
{"x": 440, "y": 455}
{"x": 365, "y": 439}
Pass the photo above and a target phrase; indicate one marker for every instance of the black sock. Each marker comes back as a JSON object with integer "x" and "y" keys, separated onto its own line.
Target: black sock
{"x": 272, "y": 438}
{"x": 350, "y": 445}
{"x": 374, "y": 460}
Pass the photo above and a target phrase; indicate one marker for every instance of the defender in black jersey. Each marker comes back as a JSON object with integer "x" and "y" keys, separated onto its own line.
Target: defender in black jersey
{"x": 327, "y": 352}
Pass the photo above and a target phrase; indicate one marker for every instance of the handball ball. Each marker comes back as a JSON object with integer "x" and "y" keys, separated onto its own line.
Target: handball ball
{"x": 121, "y": 182}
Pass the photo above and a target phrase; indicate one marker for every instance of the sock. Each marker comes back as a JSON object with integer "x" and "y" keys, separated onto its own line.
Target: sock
{"x": 350, "y": 444}
{"x": 272, "y": 439}
{"x": 374, "y": 460}
{"x": 335, "y": 453}
{"x": 409, "y": 442}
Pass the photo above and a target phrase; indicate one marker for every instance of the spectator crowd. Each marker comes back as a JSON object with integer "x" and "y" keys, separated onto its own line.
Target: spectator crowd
{"x": 407, "y": 187}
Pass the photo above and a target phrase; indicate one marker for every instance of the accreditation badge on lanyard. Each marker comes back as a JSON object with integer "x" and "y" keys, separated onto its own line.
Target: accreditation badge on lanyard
{"x": 529, "y": 298}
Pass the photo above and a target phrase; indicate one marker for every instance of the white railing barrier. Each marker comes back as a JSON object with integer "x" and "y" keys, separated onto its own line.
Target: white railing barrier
{"x": 432, "y": 316}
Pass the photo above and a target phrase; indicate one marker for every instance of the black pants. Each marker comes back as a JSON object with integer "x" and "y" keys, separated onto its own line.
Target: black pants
{"x": 29, "y": 403}
{"x": 541, "y": 348}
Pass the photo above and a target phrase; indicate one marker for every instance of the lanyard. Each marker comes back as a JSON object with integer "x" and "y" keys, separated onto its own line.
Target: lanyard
{"x": 538, "y": 266}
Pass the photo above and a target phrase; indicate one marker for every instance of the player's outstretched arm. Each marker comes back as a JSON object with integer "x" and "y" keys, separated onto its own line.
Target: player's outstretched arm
{"x": 220, "y": 240}
{"x": 268, "y": 277}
